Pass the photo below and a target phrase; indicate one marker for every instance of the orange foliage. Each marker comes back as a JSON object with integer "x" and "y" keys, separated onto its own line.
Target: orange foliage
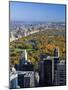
{"x": 50, "y": 46}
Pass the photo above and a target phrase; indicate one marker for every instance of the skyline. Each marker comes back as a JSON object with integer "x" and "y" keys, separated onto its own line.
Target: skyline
{"x": 27, "y": 11}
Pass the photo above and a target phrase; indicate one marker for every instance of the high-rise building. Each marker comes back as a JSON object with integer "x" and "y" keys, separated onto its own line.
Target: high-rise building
{"x": 12, "y": 37}
{"x": 46, "y": 72}
{"x": 14, "y": 83}
{"x": 56, "y": 61}
{"x": 21, "y": 80}
{"x": 26, "y": 82}
{"x": 56, "y": 52}
{"x": 41, "y": 73}
{"x": 23, "y": 58}
{"x": 13, "y": 79}
{"x": 60, "y": 74}
{"x": 27, "y": 79}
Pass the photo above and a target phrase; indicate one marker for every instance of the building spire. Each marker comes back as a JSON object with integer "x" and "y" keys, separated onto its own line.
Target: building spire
{"x": 25, "y": 54}
{"x": 56, "y": 52}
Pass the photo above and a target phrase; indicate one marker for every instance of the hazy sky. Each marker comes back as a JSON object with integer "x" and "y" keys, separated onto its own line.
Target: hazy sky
{"x": 21, "y": 11}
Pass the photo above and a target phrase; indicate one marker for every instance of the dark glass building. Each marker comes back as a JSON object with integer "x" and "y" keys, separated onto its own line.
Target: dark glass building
{"x": 26, "y": 82}
{"x": 56, "y": 57}
{"x": 45, "y": 73}
{"x": 21, "y": 80}
{"x": 60, "y": 74}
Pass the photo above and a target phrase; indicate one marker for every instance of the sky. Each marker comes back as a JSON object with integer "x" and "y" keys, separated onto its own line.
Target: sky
{"x": 24, "y": 11}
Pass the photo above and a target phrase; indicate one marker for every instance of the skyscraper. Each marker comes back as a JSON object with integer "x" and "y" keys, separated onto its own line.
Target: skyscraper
{"x": 56, "y": 61}
{"x": 25, "y": 80}
{"x": 46, "y": 72}
{"x": 13, "y": 79}
{"x": 60, "y": 73}
{"x": 56, "y": 52}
